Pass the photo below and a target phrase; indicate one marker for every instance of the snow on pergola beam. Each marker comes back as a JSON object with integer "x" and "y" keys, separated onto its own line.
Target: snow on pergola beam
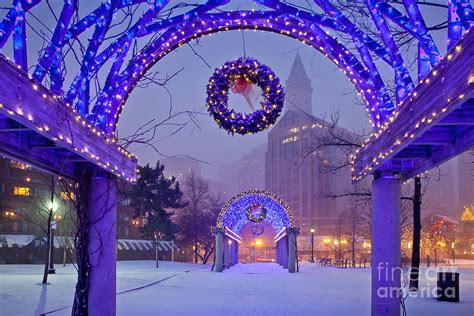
{"x": 434, "y": 124}
{"x": 37, "y": 128}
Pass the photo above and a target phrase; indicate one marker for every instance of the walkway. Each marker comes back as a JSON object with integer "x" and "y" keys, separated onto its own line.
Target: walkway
{"x": 245, "y": 289}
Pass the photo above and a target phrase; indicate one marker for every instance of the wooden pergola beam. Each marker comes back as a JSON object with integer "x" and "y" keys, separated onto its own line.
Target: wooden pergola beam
{"x": 413, "y": 153}
{"x": 441, "y": 154}
{"x": 37, "y": 128}
{"x": 464, "y": 116}
{"x": 438, "y": 135}
{"x": 438, "y": 114}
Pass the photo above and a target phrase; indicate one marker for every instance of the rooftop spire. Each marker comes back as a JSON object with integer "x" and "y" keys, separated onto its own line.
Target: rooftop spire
{"x": 297, "y": 72}
{"x": 298, "y": 88}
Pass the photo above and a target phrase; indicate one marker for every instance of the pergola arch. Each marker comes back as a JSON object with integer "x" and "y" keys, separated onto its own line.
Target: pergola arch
{"x": 159, "y": 16}
{"x": 115, "y": 95}
{"x": 233, "y": 216}
{"x": 233, "y": 213}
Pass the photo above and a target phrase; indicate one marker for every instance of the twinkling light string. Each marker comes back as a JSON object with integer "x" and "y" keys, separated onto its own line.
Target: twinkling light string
{"x": 233, "y": 214}
{"x": 309, "y": 27}
{"x": 400, "y": 140}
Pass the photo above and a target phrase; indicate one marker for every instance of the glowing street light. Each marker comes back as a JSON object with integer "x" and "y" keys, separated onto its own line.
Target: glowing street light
{"x": 53, "y": 206}
{"x": 312, "y": 244}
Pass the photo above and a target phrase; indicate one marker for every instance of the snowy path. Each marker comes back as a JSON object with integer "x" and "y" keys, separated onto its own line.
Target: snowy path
{"x": 246, "y": 289}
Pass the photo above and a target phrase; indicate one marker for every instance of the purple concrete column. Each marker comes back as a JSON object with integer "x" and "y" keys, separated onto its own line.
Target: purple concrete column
{"x": 102, "y": 245}
{"x": 231, "y": 253}
{"x": 277, "y": 252}
{"x": 386, "y": 245}
{"x": 280, "y": 252}
{"x": 236, "y": 252}
{"x": 284, "y": 252}
{"x": 219, "y": 264}
{"x": 291, "y": 250}
{"x": 226, "y": 253}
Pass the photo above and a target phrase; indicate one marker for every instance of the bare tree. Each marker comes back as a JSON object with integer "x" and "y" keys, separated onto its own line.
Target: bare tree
{"x": 354, "y": 224}
{"x": 195, "y": 220}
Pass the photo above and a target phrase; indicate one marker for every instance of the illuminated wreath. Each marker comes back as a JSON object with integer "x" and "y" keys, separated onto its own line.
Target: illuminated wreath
{"x": 256, "y": 213}
{"x": 252, "y": 71}
{"x": 258, "y": 229}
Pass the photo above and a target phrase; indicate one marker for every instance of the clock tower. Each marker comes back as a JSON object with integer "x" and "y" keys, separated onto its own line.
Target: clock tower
{"x": 298, "y": 89}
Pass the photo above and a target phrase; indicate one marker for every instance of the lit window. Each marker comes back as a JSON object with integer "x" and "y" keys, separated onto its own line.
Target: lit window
{"x": 65, "y": 196}
{"x": 9, "y": 214}
{"x": 21, "y": 191}
{"x": 295, "y": 129}
{"x": 18, "y": 165}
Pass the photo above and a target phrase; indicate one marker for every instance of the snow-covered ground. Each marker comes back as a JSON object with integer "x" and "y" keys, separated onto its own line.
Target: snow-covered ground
{"x": 245, "y": 289}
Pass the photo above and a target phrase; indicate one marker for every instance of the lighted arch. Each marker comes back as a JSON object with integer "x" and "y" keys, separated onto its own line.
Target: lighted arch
{"x": 356, "y": 59}
{"x": 233, "y": 214}
{"x": 115, "y": 95}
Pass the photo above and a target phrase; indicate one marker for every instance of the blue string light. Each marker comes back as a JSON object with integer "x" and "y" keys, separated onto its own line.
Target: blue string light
{"x": 234, "y": 214}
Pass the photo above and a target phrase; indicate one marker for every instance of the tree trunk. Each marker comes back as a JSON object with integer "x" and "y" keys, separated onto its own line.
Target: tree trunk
{"x": 196, "y": 252}
{"x": 354, "y": 227}
{"x": 353, "y": 252}
{"x": 64, "y": 256}
{"x": 156, "y": 254}
{"x": 195, "y": 243}
{"x": 415, "y": 255}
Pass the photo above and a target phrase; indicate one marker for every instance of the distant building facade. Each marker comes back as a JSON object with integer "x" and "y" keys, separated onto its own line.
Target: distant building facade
{"x": 251, "y": 173}
{"x": 296, "y": 172}
{"x": 179, "y": 167}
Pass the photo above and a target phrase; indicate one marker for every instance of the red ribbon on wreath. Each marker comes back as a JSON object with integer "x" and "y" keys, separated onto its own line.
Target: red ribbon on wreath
{"x": 248, "y": 90}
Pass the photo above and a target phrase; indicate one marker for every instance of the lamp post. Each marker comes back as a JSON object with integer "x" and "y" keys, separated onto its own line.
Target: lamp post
{"x": 52, "y": 227}
{"x": 312, "y": 245}
{"x": 452, "y": 249}
{"x": 336, "y": 243}
{"x": 252, "y": 249}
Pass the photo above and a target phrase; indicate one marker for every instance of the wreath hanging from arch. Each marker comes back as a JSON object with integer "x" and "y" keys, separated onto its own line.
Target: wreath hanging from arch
{"x": 256, "y": 213}
{"x": 239, "y": 76}
{"x": 258, "y": 229}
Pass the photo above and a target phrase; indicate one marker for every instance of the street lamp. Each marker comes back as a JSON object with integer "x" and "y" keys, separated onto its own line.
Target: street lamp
{"x": 312, "y": 245}
{"x": 452, "y": 248}
{"x": 253, "y": 255}
{"x": 52, "y": 226}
